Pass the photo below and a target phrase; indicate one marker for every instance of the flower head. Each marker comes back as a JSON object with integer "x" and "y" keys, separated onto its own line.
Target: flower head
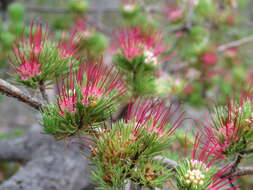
{"x": 37, "y": 38}
{"x": 199, "y": 172}
{"x": 27, "y": 67}
{"x": 26, "y": 62}
{"x": 100, "y": 81}
{"x": 37, "y": 59}
{"x": 67, "y": 47}
{"x": 174, "y": 14}
{"x": 208, "y": 59}
{"x": 154, "y": 116}
{"x": 86, "y": 98}
{"x": 129, "y": 6}
{"x": 67, "y": 95}
{"x": 135, "y": 43}
{"x": 230, "y": 129}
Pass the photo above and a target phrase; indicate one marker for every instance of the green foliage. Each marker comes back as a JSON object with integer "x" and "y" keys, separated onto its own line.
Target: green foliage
{"x": 205, "y": 7}
{"x": 62, "y": 22}
{"x": 13, "y": 134}
{"x": 16, "y": 28}
{"x": 96, "y": 44}
{"x": 240, "y": 116}
{"x": 16, "y": 12}
{"x": 53, "y": 65}
{"x": 78, "y": 6}
{"x": 139, "y": 74}
{"x": 7, "y": 39}
{"x": 85, "y": 120}
{"x": 121, "y": 153}
{"x": 130, "y": 11}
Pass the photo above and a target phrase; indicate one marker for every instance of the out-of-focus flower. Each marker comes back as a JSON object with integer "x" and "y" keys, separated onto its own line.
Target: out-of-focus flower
{"x": 37, "y": 38}
{"x": 68, "y": 48}
{"x": 209, "y": 59}
{"x": 133, "y": 43}
{"x": 129, "y": 6}
{"x": 230, "y": 20}
{"x": 231, "y": 52}
{"x": 39, "y": 60}
{"x": 27, "y": 64}
{"x": 174, "y": 14}
{"x": 188, "y": 89}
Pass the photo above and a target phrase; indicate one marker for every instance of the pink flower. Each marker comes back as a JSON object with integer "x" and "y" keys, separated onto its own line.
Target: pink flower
{"x": 202, "y": 156}
{"x": 37, "y": 38}
{"x": 208, "y": 59}
{"x": 130, "y": 43}
{"x": 67, "y": 104}
{"x": 91, "y": 83}
{"x": 231, "y": 52}
{"x": 27, "y": 54}
{"x": 29, "y": 69}
{"x": 188, "y": 89}
{"x": 134, "y": 42}
{"x": 155, "y": 116}
{"x": 67, "y": 47}
{"x": 26, "y": 67}
{"x": 174, "y": 14}
{"x": 226, "y": 128}
{"x": 100, "y": 81}
{"x": 67, "y": 95}
{"x": 230, "y": 20}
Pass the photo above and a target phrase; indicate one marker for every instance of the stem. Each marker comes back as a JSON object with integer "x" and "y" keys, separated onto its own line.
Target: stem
{"x": 12, "y": 91}
{"x": 250, "y": 151}
{"x": 43, "y": 91}
{"x": 236, "y": 43}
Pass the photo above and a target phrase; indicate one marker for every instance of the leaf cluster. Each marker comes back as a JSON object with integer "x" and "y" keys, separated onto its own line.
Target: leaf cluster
{"x": 121, "y": 154}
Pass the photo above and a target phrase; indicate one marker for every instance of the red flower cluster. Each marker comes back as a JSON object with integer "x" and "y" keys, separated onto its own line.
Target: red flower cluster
{"x": 228, "y": 128}
{"x": 202, "y": 157}
{"x": 154, "y": 114}
{"x": 94, "y": 81}
{"x": 28, "y": 65}
{"x": 134, "y": 42}
{"x": 174, "y": 14}
{"x": 208, "y": 59}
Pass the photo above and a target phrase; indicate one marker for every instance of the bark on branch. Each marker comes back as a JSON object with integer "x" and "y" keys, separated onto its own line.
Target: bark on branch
{"x": 235, "y": 43}
{"x": 12, "y": 91}
{"x": 243, "y": 171}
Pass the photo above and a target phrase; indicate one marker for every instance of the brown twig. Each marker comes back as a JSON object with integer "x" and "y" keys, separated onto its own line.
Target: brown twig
{"x": 236, "y": 43}
{"x": 188, "y": 24}
{"x": 41, "y": 9}
{"x": 12, "y": 91}
{"x": 43, "y": 91}
{"x": 250, "y": 151}
{"x": 242, "y": 171}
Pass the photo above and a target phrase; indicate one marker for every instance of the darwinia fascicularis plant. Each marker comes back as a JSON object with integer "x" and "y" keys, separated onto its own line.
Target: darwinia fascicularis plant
{"x": 134, "y": 145}
{"x": 86, "y": 98}
{"x": 38, "y": 60}
{"x": 127, "y": 150}
{"x": 230, "y": 131}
